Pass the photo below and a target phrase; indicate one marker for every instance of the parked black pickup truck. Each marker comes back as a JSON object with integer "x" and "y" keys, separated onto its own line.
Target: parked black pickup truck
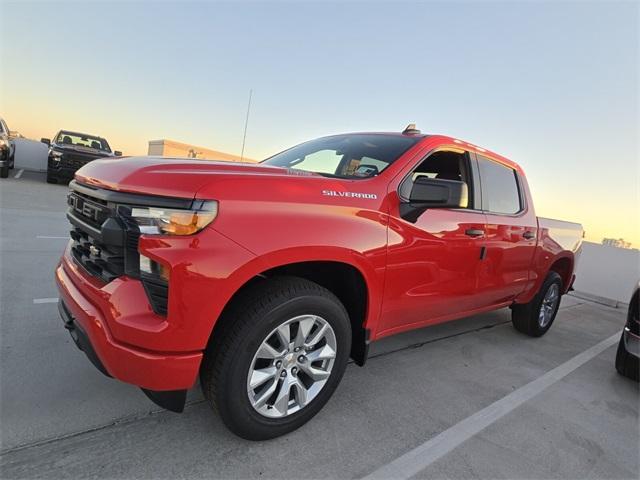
{"x": 71, "y": 150}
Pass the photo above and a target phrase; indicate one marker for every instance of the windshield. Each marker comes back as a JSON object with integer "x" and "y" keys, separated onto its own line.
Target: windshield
{"x": 79, "y": 139}
{"x": 345, "y": 156}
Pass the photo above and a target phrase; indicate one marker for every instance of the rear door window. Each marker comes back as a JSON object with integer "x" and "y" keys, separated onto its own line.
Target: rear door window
{"x": 500, "y": 190}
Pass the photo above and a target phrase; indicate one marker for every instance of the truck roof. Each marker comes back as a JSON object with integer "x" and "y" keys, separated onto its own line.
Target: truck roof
{"x": 445, "y": 139}
{"x": 80, "y": 134}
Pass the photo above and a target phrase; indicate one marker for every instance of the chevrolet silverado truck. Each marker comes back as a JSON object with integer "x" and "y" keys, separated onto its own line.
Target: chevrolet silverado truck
{"x": 262, "y": 280}
{"x": 71, "y": 150}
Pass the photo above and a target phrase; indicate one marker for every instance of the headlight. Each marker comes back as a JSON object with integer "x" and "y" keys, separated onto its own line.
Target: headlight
{"x": 3, "y": 142}
{"x": 164, "y": 221}
{"x": 55, "y": 154}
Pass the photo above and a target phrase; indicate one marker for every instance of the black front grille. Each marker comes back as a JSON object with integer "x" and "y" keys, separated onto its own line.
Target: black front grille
{"x": 101, "y": 260}
{"x": 75, "y": 161}
{"x": 91, "y": 210}
{"x": 105, "y": 237}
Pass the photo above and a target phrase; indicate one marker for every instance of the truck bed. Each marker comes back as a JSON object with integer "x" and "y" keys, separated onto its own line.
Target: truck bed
{"x": 566, "y": 234}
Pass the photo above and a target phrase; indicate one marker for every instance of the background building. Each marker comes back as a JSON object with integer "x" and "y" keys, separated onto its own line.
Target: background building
{"x": 619, "y": 243}
{"x": 171, "y": 148}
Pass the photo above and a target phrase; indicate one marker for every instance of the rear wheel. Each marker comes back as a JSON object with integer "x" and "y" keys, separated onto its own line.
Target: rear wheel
{"x": 535, "y": 318}
{"x": 277, "y": 357}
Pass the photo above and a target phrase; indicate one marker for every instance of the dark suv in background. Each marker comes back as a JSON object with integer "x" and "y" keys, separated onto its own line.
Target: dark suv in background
{"x": 71, "y": 150}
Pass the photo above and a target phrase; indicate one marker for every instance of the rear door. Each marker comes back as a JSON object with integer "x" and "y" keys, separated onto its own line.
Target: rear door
{"x": 510, "y": 233}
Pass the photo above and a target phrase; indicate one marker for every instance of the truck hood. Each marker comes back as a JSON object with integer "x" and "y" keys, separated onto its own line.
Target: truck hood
{"x": 170, "y": 177}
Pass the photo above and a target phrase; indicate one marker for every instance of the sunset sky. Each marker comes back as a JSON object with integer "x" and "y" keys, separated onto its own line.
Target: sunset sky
{"x": 553, "y": 86}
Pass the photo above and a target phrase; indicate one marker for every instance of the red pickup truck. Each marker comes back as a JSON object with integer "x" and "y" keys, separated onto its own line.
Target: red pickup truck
{"x": 263, "y": 279}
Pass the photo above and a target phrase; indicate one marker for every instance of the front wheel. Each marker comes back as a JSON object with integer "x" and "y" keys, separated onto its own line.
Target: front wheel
{"x": 535, "y": 318}
{"x": 4, "y": 171}
{"x": 277, "y": 357}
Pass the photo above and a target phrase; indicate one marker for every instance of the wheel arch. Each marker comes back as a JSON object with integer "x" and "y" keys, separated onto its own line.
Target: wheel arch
{"x": 346, "y": 281}
{"x": 563, "y": 266}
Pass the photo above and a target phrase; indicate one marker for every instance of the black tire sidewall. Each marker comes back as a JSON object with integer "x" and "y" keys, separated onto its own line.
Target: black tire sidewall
{"x": 232, "y": 398}
{"x": 4, "y": 172}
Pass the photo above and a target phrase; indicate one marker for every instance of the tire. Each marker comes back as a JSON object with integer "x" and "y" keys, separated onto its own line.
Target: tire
{"x": 51, "y": 178}
{"x": 627, "y": 364}
{"x": 526, "y": 317}
{"x": 4, "y": 171}
{"x": 12, "y": 161}
{"x": 250, "y": 321}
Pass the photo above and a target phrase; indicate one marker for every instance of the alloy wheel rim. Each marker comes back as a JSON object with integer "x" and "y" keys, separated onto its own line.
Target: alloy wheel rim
{"x": 291, "y": 366}
{"x": 548, "y": 305}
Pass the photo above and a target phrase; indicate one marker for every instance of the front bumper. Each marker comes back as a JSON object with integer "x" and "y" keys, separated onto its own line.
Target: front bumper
{"x": 150, "y": 370}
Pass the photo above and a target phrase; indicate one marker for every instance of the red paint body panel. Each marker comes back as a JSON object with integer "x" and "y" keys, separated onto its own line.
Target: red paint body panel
{"x": 416, "y": 274}
{"x": 147, "y": 369}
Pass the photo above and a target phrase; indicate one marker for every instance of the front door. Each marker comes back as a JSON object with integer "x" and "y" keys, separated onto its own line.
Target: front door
{"x": 433, "y": 263}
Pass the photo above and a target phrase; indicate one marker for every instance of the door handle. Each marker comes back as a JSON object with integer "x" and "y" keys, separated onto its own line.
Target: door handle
{"x": 474, "y": 232}
{"x": 529, "y": 235}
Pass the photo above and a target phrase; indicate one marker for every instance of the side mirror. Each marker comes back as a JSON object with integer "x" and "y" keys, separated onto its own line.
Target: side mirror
{"x": 438, "y": 193}
{"x": 46, "y": 141}
{"x": 433, "y": 193}
{"x": 117, "y": 153}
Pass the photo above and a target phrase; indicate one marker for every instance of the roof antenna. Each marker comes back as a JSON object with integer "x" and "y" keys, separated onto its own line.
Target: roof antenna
{"x": 411, "y": 130}
{"x": 246, "y": 123}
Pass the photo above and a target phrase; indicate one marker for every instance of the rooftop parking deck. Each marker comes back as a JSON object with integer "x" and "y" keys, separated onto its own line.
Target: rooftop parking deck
{"x": 494, "y": 403}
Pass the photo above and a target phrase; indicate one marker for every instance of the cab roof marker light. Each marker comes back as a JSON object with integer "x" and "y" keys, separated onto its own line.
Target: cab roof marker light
{"x": 411, "y": 130}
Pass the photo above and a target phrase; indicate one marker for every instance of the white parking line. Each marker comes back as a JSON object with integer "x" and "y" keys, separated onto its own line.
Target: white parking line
{"x": 45, "y": 300}
{"x": 416, "y": 460}
{"x": 19, "y": 173}
{"x": 53, "y": 237}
